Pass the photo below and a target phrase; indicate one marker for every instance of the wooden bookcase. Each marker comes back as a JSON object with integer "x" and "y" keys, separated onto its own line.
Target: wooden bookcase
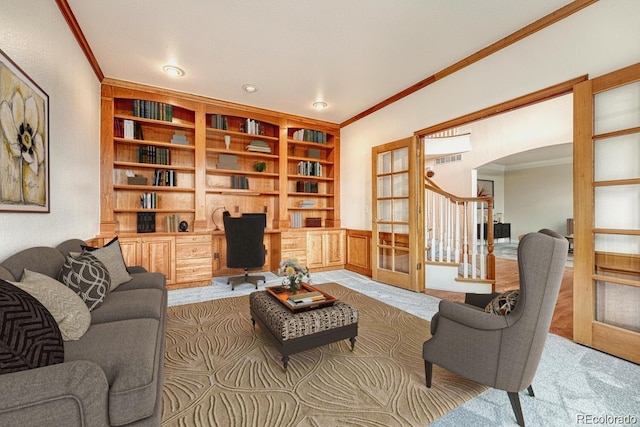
{"x": 220, "y": 155}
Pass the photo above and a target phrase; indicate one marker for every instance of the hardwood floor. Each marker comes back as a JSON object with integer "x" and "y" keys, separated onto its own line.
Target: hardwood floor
{"x": 507, "y": 278}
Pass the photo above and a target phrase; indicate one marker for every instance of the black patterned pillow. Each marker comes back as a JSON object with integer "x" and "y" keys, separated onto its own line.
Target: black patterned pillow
{"x": 29, "y": 335}
{"x": 503, "y": 303}
{"x": 88, "y": 277}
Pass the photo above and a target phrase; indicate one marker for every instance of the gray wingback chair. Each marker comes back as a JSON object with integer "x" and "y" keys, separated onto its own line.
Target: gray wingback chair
{"x": 502, "y": 352}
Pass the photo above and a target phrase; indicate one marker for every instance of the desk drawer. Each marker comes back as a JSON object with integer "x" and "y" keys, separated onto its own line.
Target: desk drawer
{"x": 193, "y": 270}
{"x": 193, "y": 250}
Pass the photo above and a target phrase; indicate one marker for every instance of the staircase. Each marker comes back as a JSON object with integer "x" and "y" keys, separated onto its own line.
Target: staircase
{"x": 458, "y": 246}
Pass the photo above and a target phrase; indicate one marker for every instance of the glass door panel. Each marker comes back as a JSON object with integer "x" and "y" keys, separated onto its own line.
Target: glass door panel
{"x": 607, "y": 213}
{"x": 392, "y": 223}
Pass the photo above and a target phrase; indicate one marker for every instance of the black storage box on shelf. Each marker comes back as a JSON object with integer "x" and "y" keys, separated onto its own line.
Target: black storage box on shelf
{"x": 146, "y": 222}
{"x": 313, "y": 222}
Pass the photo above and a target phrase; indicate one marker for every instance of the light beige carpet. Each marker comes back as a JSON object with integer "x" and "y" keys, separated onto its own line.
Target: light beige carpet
{"x": 219, "y": 371}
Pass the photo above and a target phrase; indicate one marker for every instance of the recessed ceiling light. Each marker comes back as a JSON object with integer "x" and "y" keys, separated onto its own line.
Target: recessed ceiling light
{"x": 173, "y": 71}
{"x": 320, "y": 105}
{"x": 249, "y": 88}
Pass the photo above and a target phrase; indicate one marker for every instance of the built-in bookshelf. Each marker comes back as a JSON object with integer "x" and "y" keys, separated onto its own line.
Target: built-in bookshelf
{"x": 312, "y": 155}
{"x": 153, "y": 149}
{"x": 192, "y": 156}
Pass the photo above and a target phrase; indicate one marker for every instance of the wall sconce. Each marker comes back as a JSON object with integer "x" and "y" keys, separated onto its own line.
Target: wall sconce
{"x": 213, "y": 217}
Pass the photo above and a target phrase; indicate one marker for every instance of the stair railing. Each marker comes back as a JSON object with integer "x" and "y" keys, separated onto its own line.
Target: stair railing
{"x": 457, "y": 231}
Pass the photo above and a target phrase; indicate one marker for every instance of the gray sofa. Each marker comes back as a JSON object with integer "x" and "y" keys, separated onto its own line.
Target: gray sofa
{"x": 112, "y": 375}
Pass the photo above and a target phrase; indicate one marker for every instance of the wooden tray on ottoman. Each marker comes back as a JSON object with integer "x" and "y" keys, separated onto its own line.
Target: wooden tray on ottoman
{"x": 282, "y": 295}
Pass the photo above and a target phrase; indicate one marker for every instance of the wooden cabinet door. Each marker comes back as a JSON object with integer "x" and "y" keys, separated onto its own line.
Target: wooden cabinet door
{"x": 315, "y": 249}
{"x": 131, "y": 251}
{"x": 334, "y": 248}
{"x": 158, "y": 255}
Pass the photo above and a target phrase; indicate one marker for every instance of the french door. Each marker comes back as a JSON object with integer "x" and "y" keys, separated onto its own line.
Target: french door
{"x": 396, "y": 209}
{"x": 607, "y": 213}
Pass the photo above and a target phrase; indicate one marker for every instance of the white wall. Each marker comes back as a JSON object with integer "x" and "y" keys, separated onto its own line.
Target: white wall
{"x": 601, "y": 38}
{"x": 36, "y": 37}
{"x": 538, "y": 198}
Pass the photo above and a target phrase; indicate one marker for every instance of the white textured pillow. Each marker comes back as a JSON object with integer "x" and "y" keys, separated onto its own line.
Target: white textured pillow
{"x": 70, "y": 312}
{"x": 111, "y": 256}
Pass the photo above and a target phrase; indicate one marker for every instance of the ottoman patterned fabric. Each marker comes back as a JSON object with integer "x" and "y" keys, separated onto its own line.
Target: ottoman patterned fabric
{"x": 291, "y": 325}
{"x": 29, "y": 335}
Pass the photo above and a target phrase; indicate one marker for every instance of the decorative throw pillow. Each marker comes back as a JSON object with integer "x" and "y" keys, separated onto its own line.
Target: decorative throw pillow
{"x": 29, "y": 335}
{"x": 88, "y": 277}
{"x": 68, "y": 309}
{"x": 111, "y": 256}
{"x": 503, "y": 303}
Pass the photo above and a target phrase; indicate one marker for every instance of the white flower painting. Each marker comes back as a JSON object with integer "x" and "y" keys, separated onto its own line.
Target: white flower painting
{"x": 24, "y": 135}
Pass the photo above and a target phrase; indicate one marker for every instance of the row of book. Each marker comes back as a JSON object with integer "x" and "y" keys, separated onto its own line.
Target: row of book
{"x": 125, "y": 128}
{"x": 259, "y": 147}
{"x": 149, "y": 200}
{"x": 153, "y": 110}
{"x": 308, "y": 204}
{"x": 165, "y": 178}
{"x": 250, "y": 126}
{"x": 239, "y": 182}
{"x": 172, "y": 223}
{"x": 309, "y": 168}
{"x": 153, "y": 155}
{"x": 310, "y": 135}
{"x": 306, "y": 186}
{"x": 296, "y": 220}
{"x": 218, "y": 121}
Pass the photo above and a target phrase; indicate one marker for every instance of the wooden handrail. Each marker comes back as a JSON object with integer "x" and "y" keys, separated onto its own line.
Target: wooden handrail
{"x": 430, "y": 185}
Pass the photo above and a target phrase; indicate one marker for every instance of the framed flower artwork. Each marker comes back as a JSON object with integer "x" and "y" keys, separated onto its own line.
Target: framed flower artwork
{"x": 24, "y": 141}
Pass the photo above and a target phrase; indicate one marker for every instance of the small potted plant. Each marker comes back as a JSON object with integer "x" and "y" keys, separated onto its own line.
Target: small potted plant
{"x": 260, "y": 166}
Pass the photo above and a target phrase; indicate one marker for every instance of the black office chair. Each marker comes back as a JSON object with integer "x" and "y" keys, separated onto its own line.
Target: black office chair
{"x": 245, "y": 246}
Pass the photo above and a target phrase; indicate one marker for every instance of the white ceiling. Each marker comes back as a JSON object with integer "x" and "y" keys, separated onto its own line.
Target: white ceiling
{"x": 350, "y": 53}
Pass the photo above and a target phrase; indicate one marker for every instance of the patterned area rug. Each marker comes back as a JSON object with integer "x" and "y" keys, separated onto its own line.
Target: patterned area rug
{"x": 219, "y": 371}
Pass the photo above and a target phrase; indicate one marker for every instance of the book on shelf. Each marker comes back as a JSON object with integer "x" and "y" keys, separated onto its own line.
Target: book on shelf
{"x": 239, "y": 182}
{"x": 296, "y": 220}
{"x": 172, "y": 223}
{"x": 307, "y": 204}
{"x": 165, "y": 178}
{"x": 306, "y": 186}
{"x": 253, "y": 127}
{"x": 149, "y": 200}
{"x": 179, "y": 137}
{"x": 218, "y": 121}
{"x": 152, "y": 110}
{"x": 308, "y": 168}
{"x": 310, "y": 135}
{"x": 153, "y": 155}
{"x": 259, "y": 146}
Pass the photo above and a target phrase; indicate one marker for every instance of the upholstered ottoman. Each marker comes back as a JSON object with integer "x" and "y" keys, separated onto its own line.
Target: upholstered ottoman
{"x": 296, "y": 332}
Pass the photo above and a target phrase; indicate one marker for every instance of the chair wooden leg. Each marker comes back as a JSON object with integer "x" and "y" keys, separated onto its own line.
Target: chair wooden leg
{"x": 428, "y": 368}
{"x": 515, "y": 405}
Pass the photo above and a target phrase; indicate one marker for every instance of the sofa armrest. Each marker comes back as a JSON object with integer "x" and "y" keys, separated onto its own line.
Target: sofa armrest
{"x": 136, "y": 269}
{"x": 70, "y": 394}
